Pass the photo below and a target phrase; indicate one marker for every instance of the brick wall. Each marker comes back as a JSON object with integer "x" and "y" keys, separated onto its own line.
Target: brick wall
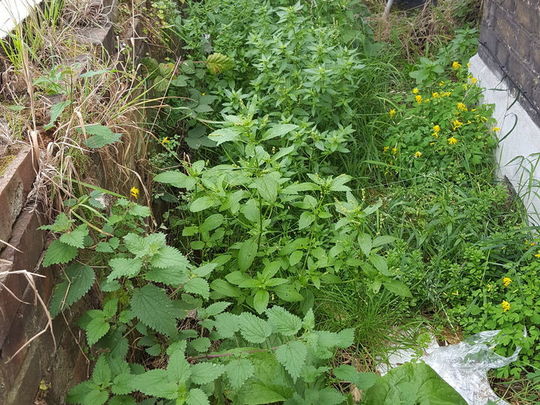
{"x": 510, "y": 43}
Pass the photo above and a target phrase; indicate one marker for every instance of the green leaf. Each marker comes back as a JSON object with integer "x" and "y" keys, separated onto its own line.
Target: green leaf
{"x": 96, "y": 397}
{"x": 283, "y": 321}
{"x": 366, "y": 243}
{"x": 59, "y": 253}
{"x": 171, "y": 276}
{"x": 260, "y": 394}
{"x": 239, "y": 371}
{"x": 202, "y": 203}
{"x": 398, "y": 288}
{"x": 179, "y": 369}
{"x": 122, "y": 384}
{"x": 216, "y": 308}
{"x": 196, "y": 396}
{"x": 345, "y": 338}
{"x": 224, "y": 288}
{"x": 102, "y": 136}
{"x": 122, "y": 400}
{"x": 383, "y": 240}
{"x": 226, "y": 325}
{"x": 362, "y": 381}
{"x": 56, "y": 111}
{"x": 267, "y": 186}
{"x": 253, "y": 328}
{"x": 247, "y": 253}
{"x": 201, "y": 344}
{"x": 218, "y": 63}
{"x": 154, "y": 309}
{"x": 380, "y": 264}
{"x": 169, "y": 256}
{"x": 101, "y": 375}
{"x": 306, "y": 219}
{"x": 288, "y": 293}
{"x": 96, "y": 329}
{"x": 155, "y": 383}
{"x": 212, "y": 222}
{"x": 61, "y": 224}
{"x": 78, "y": 393}
{"x": 198, "y": 286}
{"x": 278, "y": 130}
{"x": 122, "y": 267}
{"x": 79, "y": 280}
{"x": 293, "y": 357}
{"x": 176, "y": 179}
{"x": 260, "y": 300}
{"x": 205, "y": 373}
{"x": 224, "y": 135}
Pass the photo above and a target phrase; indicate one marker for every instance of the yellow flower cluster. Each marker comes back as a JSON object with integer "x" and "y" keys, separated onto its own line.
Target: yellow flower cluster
{"x": 392, "y": 113}
{"x": 452, "y": 141}
{"x": 496, "y": 129}
{"x": 417, "y": 154}
{"x": 456, "y": 65}
{"x": 436, "y": 130}
{"x": 165, "y": 141}
{"x": 418, "y": 98}
{"x": 436, "y": 95}
{"x": 134, "y": 192}
{"x": 461, "y": 107}
{"x": 505, "y": 305}
{"x": 456, "y": 124}
{"x": 506, "y": 281}
{"x": 415, "y": 91}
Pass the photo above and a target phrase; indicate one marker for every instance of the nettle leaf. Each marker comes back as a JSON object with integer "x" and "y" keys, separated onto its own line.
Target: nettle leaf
{"x": 283, "y": 321}
{"x": 171, "y": 276}
{"x": 80, "y": 279}
{"x": 59, "y": 253}
{"x": 215, "y": 309}
{"x": 205, "y": 373}
{"x": 293, "y": 357}
{"x": 176, "y": 179}
{"x": 226, "y": 325}
{"x": 169, "y": 256}
{"x": 101, "y": 374}
{"x": 362, "y": 381}
{"x": 239, "y": 371}
{"x": 122, "y": 267}
{"x": 253, "y": 328}
{"x": 247, "y": 253}
{"x": 61, "y": 224}
{"x": 201, "y": 344}
{"x": 154, "y": 308}
{"x": 78, "y": 393}
{"x": 179, "y": 369}
{"x": 198, "y": 286}
{"x": 306, "y": 219}
{"x": 102, "y": 136}
{"x": 260, "y": 300}
{"x": 155, "y": 383}
{"x": 122, "y": 384}
{"x": 96, "y": 329}
{"x": 196, "y": 396}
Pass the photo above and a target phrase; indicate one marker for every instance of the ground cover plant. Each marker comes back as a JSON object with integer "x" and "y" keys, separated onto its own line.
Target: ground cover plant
{"x": 315, "y": 211}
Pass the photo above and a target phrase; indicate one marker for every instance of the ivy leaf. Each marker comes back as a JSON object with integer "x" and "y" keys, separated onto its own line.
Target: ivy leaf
{"x": 156, "y": 384}
{"x": 59, "y": 253}
{"x": 293, "y": 357}
{"x": 253, "y": 328}
{"x": 196, "y": 396}
{"x": 205, "y": 373}
{"x": 154, "y": 309}
{"x": 102, "y": 136}
{"x": 247, "y": 253}
{"x": 122, "y": 267}
{"x": 283, "y": 321}
{"x": 238, "y": 371}
{"x": 96, "y": 329}
{"x": 80, "y": 279}
{"x": 260, "y": 300}
{"x": 198, "y": 286}
{"x": 176, "y": 179}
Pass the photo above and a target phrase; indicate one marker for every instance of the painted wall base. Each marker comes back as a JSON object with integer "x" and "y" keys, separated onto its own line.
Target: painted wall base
{"x": 12, "y": 12}
{"x": 518, "y": 153}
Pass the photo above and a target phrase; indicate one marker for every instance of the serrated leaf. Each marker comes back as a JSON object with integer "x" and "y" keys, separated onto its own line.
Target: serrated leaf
{"x": 224, "y": 288}
{"x": 205, "y": 373}
{"x": 122, "y": 384}
{"x": 101, "y": 375}
{"x": 260, "y": 300}
{"x": 78, "y": 393}
{"x": 253, "y": 328}
{"x": 179, "y": 369}
{"x": 345, "y": 338}
{"x": 122, "y": 267}
{"x": 171, "y": 276}
{"x": 122, "y": 400}
{"x": 226, "y": 325}
{"x": 239, "y": 371}
{"x": 80, "y": 279}
{"x": 169, "y": 256}
{"x": 153, "y": 307}
{"x": 267, "y": 186}
{"x": 293, "y": 357}
{"x": 61, "y": 224}
{"x": 198, "y": 286}
{"x": 247, "y": 253}
{"x": 196, "y": 396}
{"x": 96, "y": 329}
{"x": 176, "y": 179}
{"x": 224, "y": 135}
{"x": 155, "y": 383}
{"x": 201, "y": 344}
{"x": 283, "y": 321}
{"x": 306, "y": 219}
{"x": 96, "y": 397}
{"x": 59, "y": 253}
{"x": 216, "y": 308}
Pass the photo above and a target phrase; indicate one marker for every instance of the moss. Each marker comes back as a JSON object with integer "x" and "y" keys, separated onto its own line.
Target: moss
{"x": 4, "y": 163}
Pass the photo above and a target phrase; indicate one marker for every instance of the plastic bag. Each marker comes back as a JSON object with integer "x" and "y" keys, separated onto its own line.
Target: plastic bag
{"x": 465, "y": 365}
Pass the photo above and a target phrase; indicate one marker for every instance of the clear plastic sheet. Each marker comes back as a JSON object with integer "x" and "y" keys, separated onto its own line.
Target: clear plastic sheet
{"x": 465, "y": 365}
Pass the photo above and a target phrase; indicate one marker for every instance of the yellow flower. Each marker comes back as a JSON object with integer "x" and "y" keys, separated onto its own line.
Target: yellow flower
{"x": 532, "y": 244}
{"x": 537, "y": 255}
{"x": 446, "y": 94}
{"x": 165, "y": 141}
{"x": 505, "y": 306}
{"x": 418, "y": 99}
{"x": 134, "y": 192}
{"x": 417, "y": 154}
{"x": 441, "y": 84}
{"x": 392, "y": 112}
{"x": 436, "y": 128}
{"x": 386, "y": 148}
{"x": 496, "y": 129}
{"x": 452, "y": 141}
{"x": 456, "y": 65}
{"x": 461, "y": 107}
{"x": 431, "y": 143}
{"x": 394, "y": 151}
{"x": 456, "y": 124}
{"x": 473, "y": 80}
{"x": 435, "y": 95}
{"x": 469, "y": 65}
{"x": 506, "y": 281}
{"x": 415, "y": 91}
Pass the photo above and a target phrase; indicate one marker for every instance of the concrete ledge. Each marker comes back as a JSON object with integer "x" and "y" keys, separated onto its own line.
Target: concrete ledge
{"x": 518, "y": 153}
{"x": 16, "y": 180}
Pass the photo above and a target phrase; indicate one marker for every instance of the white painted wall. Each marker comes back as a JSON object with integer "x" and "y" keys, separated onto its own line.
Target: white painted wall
{"x": 12, "y": 12}
{"x": 518, "y": 153}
